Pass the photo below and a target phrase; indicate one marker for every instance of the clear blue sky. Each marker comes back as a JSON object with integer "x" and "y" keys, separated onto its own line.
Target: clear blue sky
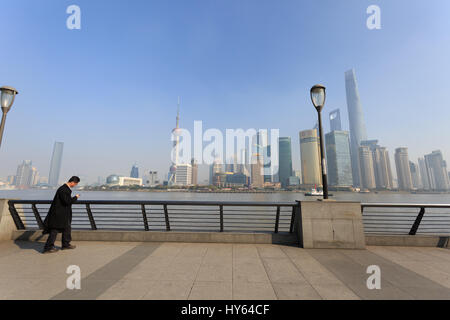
{"x": 109, "y": 91}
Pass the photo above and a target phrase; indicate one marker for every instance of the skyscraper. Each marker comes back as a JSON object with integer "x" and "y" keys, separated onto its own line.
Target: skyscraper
{"x": 176, "y": 144}
{"x": 366, "y": 166}
{"x": 55, "y": 164}
{"x": 134, "y": 171}
{"x": 257, "y": 174}
{"x": 214, "y": 169}
{"x": 356, "y": 119}
{"x": 415, "y": 175}
{"x": 403, "y": 170}
{"x": 338, "y": 158}
{"x": 310, "y": 159}
{"x": 381, "y": 164}
{"x": 285, "y": 160}
{"x": 183, "y": 175}
{"x": 263, "y": 150}
{"x": 437, "y": 171}
{"x": 335, "y": 120}
{"x": 26, "y": 175}
{"x": 194, "y": 165}
{"x": 424, "y": 174}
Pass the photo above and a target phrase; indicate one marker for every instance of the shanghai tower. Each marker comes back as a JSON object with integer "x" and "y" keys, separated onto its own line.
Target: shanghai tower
{"x": 357, "y": 127}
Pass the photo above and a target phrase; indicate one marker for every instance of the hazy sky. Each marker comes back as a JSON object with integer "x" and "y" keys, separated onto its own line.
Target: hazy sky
{"x": 109, "y": 91}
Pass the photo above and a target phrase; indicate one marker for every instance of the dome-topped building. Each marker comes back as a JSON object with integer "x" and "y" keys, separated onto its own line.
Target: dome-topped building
{"x": 113, "y": 179}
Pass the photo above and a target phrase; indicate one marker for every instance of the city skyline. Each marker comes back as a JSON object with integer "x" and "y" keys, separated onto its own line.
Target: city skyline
{"x": 218, "y": 72}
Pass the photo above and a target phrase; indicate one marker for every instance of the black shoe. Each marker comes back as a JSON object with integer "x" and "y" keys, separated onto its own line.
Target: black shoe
{"x": 68, "y": 247}
{"x": 51, "y": 250}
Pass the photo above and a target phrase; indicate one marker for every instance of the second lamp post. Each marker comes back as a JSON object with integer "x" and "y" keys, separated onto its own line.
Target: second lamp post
{"x": 6, "y": 101}
{"x": 318, "y": 99}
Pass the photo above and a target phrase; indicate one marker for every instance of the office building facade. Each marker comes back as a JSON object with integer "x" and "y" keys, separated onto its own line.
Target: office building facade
{"x": 367, "y": 168}
{"x": 437, "y": 171}
{"x": 404, "y": 177}
{"x": 338, "y": 158}
{"x": 285, "y": 160}
{"x": 310, "y": 159}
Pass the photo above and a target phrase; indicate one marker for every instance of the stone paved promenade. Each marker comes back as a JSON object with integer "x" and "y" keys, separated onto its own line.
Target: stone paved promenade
{"x": 221, "y": 271}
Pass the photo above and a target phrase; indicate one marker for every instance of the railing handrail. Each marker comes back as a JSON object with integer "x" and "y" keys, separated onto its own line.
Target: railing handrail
{"x": 404, "y": 205}
{"x": 169, "y": 202}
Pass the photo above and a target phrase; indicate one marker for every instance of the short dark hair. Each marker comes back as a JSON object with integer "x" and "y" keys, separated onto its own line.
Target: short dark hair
{"x": 74, "y": 179}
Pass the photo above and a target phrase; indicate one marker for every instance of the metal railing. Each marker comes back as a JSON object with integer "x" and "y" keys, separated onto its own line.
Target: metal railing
{"x": 378, "y": 218}
{"x": 406, "y": 218}
{"x": 163, "y": 215}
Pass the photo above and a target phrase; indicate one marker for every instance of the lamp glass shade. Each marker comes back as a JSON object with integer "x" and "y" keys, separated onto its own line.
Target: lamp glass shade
{"x": 318, "y": 96}
{"x": 7, "y": 98}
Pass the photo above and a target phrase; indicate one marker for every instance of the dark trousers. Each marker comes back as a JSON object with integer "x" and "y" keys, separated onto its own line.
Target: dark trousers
{"x": 65, "y": 240}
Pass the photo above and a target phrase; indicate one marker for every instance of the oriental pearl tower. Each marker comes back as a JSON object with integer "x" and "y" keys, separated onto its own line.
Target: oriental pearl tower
{"x": 175, "y": 151}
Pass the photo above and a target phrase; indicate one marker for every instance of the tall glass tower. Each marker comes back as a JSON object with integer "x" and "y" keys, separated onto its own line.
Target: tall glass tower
{"x": 357, "y": 127}
{"x": 134, "y": 171}
{"x": 338, "y": 158}
{"x": 335, "y": 120}
{"x": 285, "y": 160}
{"x": 55, "y": 165}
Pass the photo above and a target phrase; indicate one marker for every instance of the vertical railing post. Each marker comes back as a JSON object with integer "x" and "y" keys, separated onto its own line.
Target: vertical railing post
{"x": 166, "y": 216}
{"x": 416, "y": 224}
{"x": 91, "y": 217}
{"x": 277, "y": 220}
{"x": 37, "y": 216}
{"x": 15, "y": 215}
{"x": 291, "y": 227}
{"x": 221, "y": 218}
{"x": 144, "y": 217}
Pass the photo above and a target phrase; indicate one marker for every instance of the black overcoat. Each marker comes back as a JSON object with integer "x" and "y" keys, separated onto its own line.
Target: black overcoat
{"x": 60, "y": 213}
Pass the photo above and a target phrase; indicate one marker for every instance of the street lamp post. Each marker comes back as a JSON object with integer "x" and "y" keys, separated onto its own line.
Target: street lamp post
{"x": 8, "y": 95}
{"x": 318, "y": 96}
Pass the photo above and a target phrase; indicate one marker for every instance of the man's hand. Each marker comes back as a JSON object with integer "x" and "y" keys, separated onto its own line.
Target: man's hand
{"x": 77, "y": 195}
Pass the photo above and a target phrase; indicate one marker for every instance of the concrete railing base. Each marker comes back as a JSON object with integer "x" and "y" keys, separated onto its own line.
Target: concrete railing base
{"x": 331, "y": 225}
{"x": 7, "y": 225}
{"x": 172, "y": 236}
{"x": 408, "y": 241}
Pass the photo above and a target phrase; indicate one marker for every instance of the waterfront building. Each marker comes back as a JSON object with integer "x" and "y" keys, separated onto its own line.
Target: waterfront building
{"x": 381, "y": 164}
{"x": 425, "y": 180}
{"x": 403, "y": 170}
{"x": 236, "y": 180}
{"x": 151, "y": 179}
{"x": 115, "y": 180}
{"x": 310, "y": 159}
{"x": 284, "y": 160}
{"x": 183, "y": 175}
{"x": 26, "y": 174}
{"x": 214, "y": 169}
{"x": 338, "y": 158}
{"x": 437, "y": 171}
{"x": 366, "y": 167}
{"x": 194, "y": 178}
{"x": 55, "y": 164}
{"x": 294, "y": 181}
{"x": 257, "y": 174}
{"x": 356, "y": 120}
{"x": 415, "y": 175}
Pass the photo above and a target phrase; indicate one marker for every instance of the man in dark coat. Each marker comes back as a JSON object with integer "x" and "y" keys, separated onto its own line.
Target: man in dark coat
{"x": 59, "y": 217}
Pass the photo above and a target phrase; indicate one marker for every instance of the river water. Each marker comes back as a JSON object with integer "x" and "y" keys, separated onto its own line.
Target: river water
{"x": 384, "y": 197}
